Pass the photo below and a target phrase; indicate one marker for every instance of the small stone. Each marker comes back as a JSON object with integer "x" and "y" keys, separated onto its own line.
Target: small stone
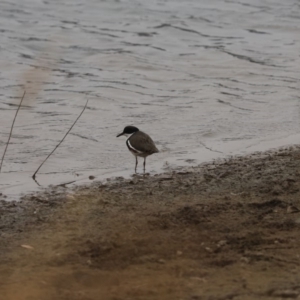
{"x": 179, "y": 253}
{"x": 245, "y": 260}
{"x": 161, "y": 261}
{"x": 91, "y": 177}
{"x": 292, "y": 209}
{"x": 221, "y": 243}
{"x": 70, "y": 197}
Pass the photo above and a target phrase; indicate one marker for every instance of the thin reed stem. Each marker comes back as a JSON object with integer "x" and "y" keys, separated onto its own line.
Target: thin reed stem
{"x": 34, "y": 175}
{"x": 11, "y": 129}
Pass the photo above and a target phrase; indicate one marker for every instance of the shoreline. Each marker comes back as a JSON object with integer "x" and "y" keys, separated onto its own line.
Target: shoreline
{"x": 221, "y": 230}
{"x": 203, "y": 156}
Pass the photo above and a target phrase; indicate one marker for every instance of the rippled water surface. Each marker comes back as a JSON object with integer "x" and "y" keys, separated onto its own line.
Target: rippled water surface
{"x": 204, "y": 78}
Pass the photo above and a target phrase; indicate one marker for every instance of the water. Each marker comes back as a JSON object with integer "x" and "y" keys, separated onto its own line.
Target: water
{"x": 205, "y": 79}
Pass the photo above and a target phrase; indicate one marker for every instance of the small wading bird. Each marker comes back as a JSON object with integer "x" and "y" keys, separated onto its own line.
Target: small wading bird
{"x": 139, "y": 144}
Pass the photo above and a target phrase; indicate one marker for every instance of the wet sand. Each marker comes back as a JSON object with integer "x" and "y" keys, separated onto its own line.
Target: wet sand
{"x": 223, "y": 230}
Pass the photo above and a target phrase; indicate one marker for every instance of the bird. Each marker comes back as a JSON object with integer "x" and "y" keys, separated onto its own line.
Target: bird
{"x": 139, "y": 144}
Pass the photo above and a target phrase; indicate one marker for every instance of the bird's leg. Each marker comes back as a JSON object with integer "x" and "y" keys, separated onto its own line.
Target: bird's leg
{"x": 144, "y": 164}
{"x": 136, "y": 163}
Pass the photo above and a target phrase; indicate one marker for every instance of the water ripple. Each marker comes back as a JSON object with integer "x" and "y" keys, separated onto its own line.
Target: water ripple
{"x": 201, "y": 77}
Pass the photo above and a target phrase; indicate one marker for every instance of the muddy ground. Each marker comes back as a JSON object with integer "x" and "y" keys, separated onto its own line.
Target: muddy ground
{"x": 225, "y": 230}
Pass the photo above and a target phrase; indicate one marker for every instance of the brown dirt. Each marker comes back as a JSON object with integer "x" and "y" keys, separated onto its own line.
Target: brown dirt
{"x": 226, "y": 230}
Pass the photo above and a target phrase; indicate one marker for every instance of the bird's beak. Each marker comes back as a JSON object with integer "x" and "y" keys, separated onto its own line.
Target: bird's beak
{"x": 120, "y": 134}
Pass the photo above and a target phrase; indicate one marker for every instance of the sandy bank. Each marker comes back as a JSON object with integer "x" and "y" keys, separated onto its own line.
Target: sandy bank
{"x": 225, "y": 230}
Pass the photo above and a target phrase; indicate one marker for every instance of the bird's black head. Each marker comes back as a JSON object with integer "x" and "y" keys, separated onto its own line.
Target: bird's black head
{"x": 128, "y": 130}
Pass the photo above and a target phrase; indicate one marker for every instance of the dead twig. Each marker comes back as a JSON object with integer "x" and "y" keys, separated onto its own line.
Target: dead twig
{"x": 34, "y": 175}
{"x": 11, "y": 129}
{"x": 64, "y": 184}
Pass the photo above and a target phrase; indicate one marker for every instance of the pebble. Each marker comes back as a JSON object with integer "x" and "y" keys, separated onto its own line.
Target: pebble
{"x": 161, "y": 261}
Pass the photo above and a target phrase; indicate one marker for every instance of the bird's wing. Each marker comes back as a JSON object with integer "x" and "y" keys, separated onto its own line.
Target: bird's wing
{"x": 142, "y": 142}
